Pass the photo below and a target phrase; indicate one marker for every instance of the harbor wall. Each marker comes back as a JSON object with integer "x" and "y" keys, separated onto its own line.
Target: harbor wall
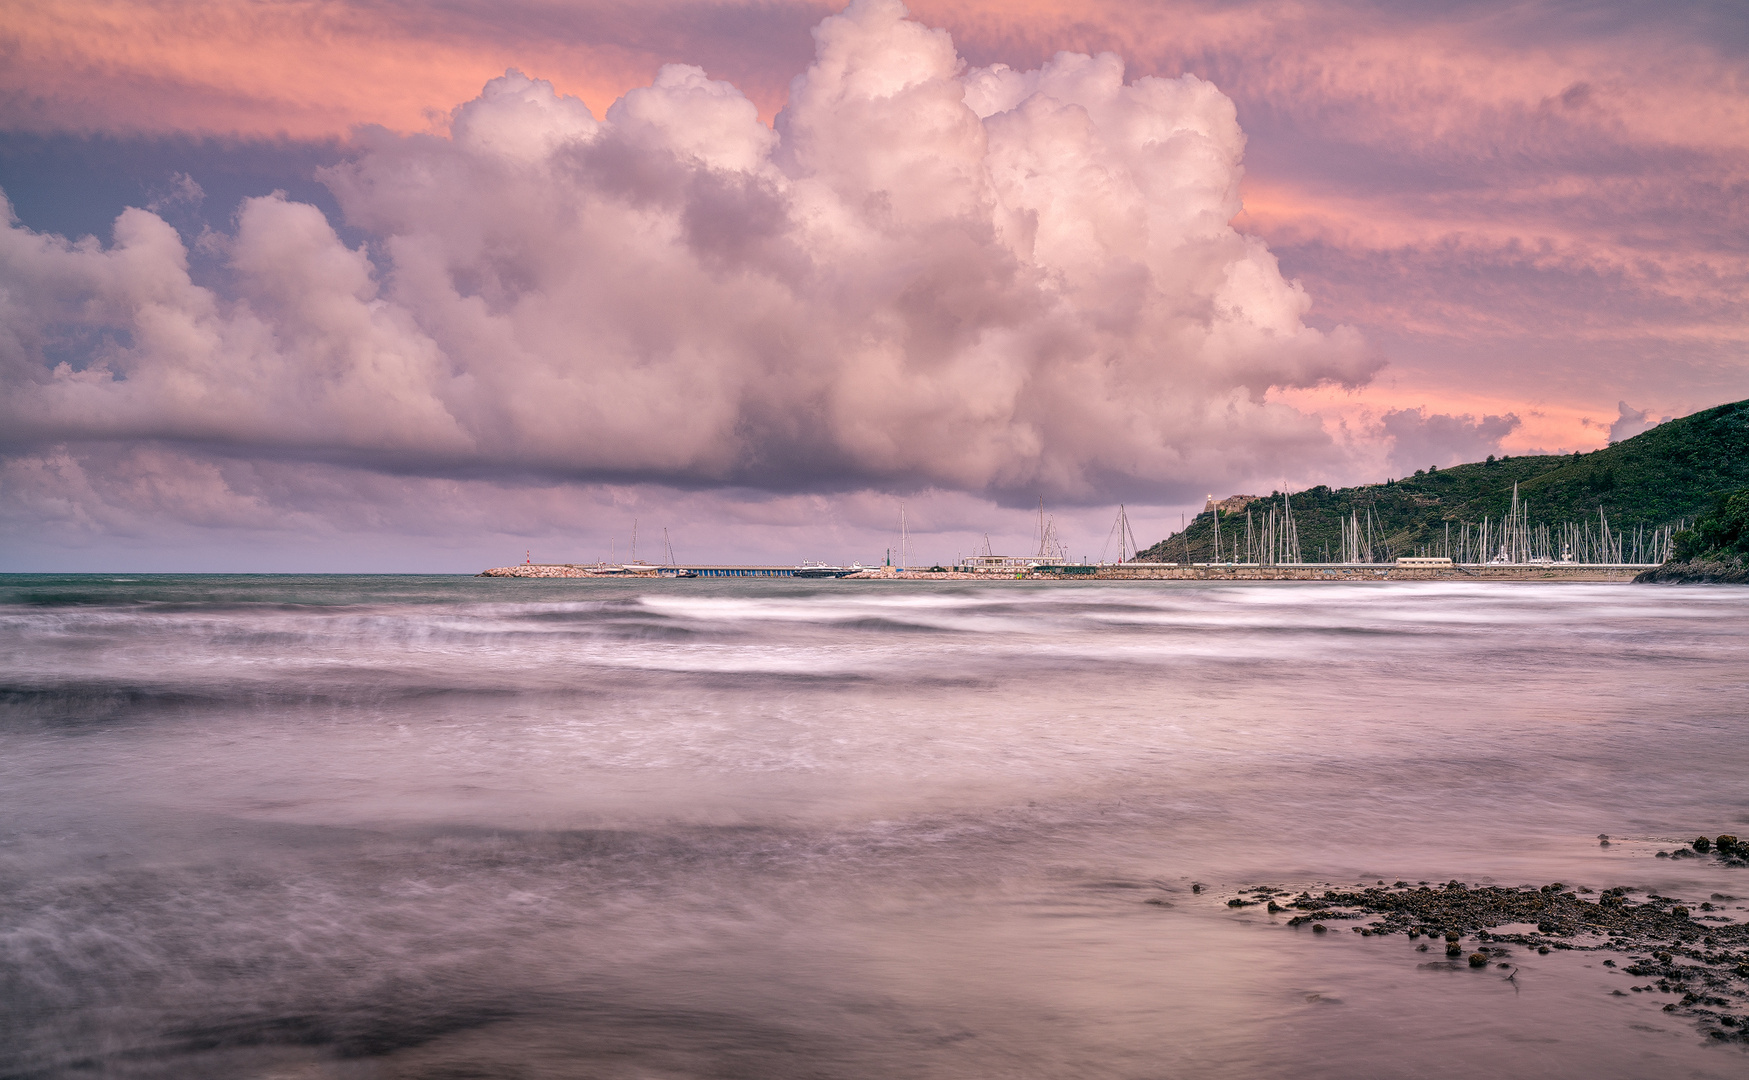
{"x": 1360, "y": 572}
{"x": 1150, "y": 572}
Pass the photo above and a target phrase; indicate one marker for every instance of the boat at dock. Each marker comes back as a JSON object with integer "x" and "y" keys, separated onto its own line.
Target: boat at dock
{"x": 821, "y": 570}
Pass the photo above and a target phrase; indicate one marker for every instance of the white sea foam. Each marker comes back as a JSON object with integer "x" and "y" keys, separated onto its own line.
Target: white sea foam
{"x": 868, "y": 828}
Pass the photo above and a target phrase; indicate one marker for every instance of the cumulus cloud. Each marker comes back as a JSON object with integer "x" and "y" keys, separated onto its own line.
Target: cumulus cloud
{"x": 1629, "y": 422}
{"x": 181, "y": 190}
{"x": 1419, "y": 439}
{"x": 984, "y": 280}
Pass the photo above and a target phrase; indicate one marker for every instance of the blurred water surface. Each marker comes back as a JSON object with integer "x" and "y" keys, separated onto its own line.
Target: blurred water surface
{"x": 450, "y": 827}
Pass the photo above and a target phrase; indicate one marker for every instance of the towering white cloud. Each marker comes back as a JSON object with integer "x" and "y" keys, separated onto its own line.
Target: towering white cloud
{"x": 986, "y": 280}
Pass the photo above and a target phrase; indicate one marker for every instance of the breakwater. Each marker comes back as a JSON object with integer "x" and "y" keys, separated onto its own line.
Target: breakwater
{"x": 1339, "y": 572}
{"x": 547, "y": 570}
{"x": 1329, "y": 572}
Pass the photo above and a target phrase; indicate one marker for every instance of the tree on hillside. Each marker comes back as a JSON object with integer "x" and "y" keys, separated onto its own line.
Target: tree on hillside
{"x": 1721, "y": 533}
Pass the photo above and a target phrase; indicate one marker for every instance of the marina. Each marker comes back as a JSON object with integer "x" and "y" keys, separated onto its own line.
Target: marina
{"x": 1408, "y": 569}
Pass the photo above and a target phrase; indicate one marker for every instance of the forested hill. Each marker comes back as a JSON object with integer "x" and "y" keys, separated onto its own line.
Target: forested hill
{"x": 1674, "y": 471}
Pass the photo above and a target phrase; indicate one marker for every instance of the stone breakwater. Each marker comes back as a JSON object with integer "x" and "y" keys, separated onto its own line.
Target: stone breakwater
{"x": 550, "y": 570}
{"x": 1144, "y": 572}
{"x": 1239, "y": 572}
{"x": 1695, "y": 954}
{"x": 887, "y": 573}
{"x": 1347, "y": 573}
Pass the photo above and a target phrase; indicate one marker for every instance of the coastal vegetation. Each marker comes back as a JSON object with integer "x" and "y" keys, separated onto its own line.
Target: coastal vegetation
{"x": 1667, "y": 476}
{"x": 1715, "y": 550}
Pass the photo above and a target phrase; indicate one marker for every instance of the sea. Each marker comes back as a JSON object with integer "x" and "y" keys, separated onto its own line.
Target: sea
{"x": 301, "y": 827}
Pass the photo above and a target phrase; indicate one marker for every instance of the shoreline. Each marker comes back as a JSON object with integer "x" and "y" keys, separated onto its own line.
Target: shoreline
{"x": 1326, "y": 572}
{"x": 1698, "y": 572}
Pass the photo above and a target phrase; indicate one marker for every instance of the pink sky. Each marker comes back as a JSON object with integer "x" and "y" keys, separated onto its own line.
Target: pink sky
{"x": 1498, "y": 228}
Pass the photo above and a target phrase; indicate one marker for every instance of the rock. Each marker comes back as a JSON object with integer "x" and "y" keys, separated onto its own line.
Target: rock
{"x": 1727, "y": 844}
{"x": 1702, "y": 844}
{"x": 1703, "y": 963}
{"x": 1319, "y": 928}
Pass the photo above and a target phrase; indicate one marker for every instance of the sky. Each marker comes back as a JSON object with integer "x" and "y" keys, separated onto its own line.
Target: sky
{"x": 386, "y": 286}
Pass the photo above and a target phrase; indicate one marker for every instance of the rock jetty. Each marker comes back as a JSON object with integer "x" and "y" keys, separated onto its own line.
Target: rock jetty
{"x": 555, "y": 570}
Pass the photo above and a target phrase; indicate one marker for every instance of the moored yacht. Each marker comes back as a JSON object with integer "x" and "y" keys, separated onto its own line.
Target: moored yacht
{"x": 821, "y": 570}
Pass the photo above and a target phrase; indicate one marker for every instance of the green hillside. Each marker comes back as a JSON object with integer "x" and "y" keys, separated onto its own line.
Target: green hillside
{"x": 1715, "y": 550}
{"x": 1674, "y": 472}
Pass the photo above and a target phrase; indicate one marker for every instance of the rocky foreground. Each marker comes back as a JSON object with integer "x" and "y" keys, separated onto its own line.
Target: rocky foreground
{"x": 1723, "y": 571}
{"x": 1696, "y": 954}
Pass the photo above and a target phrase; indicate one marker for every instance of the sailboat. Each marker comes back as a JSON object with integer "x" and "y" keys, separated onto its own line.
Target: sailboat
{"x": 671, "y": 570}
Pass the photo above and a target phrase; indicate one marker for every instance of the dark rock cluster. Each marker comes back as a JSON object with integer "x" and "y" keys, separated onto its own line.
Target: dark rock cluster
{"x": 1717, "y": 571}
{"x": 1727, "y": 849}
{"x": 1701, "y": 958}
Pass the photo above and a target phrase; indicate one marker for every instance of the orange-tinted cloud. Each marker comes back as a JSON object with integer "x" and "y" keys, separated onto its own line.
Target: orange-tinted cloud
{"x": 1531, "y": 209}
{"x": 304, "y": 68}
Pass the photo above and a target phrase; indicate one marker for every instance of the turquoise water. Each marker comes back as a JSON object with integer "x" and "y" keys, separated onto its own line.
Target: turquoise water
{"x": 331, "y": 826}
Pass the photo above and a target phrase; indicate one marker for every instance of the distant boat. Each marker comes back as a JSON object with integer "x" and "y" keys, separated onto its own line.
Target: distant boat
{"x": 821, "y": 570}
{"x": 675, "y": 572}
